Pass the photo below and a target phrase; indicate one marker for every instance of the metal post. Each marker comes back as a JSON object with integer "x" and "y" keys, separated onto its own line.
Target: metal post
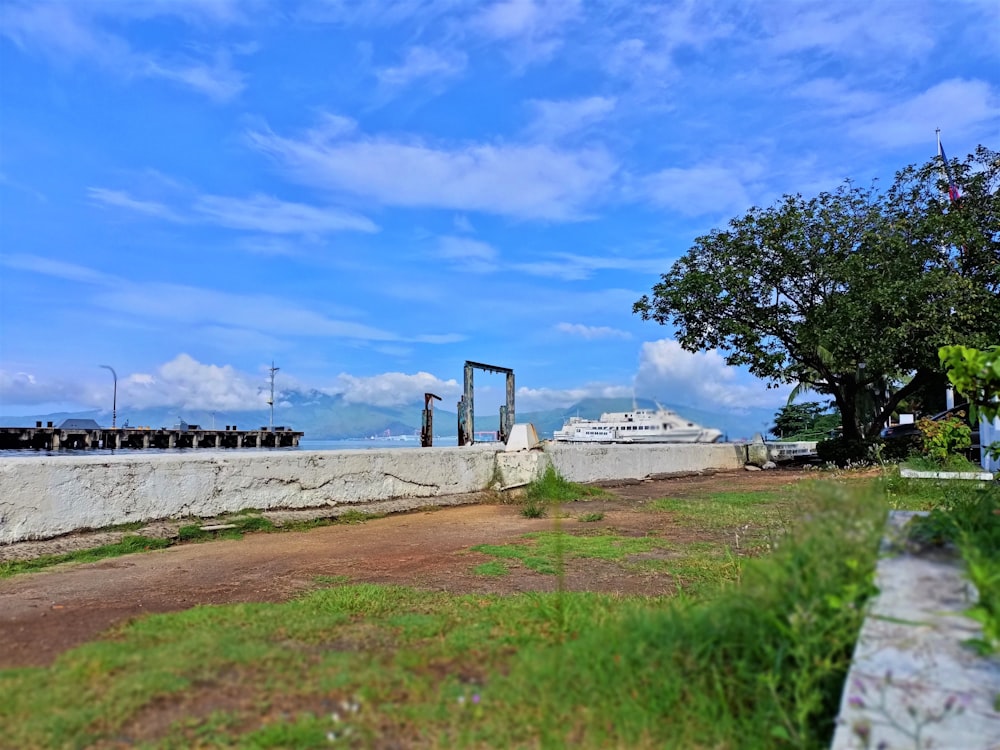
{"x": 114, "y": 402}
{"x": 271, "y": 400}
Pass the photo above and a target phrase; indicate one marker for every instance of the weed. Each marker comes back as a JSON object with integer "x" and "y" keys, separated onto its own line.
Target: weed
{"x": 590, "y": 517}
{"x": 129, "y": 544}
{"x": 553, "y": 488}
{"x": 533, "y": 509}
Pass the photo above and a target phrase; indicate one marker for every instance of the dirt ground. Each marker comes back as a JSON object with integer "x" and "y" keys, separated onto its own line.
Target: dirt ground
{"x": 43, "y": 614}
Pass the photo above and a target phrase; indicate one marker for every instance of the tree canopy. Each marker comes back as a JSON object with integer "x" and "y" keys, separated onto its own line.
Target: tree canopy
{"x": 849, "y": 293}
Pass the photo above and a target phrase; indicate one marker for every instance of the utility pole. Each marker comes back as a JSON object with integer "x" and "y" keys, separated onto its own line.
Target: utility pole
{"x": 270, "y": 401}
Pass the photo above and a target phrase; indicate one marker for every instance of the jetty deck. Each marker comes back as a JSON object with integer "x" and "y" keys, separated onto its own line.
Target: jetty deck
{"x": 79, "y": 438}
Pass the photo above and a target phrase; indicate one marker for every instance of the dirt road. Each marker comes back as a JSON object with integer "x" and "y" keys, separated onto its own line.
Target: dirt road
{"x": 43, "y": 614}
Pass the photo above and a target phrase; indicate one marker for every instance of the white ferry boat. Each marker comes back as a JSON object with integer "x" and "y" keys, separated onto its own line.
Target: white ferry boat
{"x": 637, "y": 426}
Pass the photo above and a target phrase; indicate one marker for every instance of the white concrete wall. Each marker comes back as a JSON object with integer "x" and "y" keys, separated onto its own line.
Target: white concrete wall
{"x": 42, "y": 497}
{"x": 593, "y": 462}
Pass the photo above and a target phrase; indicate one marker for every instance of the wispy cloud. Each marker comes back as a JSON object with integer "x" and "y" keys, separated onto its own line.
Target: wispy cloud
{"x": 466, "y": 254}
{"x": 422, "y": 63}
{"x": 534, "y": 29}
{"x": 56, "y": 268}
{"x": 204, "y": 308}
{"x": 69, "y": 33}
{"x": 592, "y": 332}
{"x": 523, "y": 181}
{"x": 264, "y": 213}
{"x": 557, "y": 119}
{"x": 258, "y": 213}
{"x": 969, "y": 107}
{"x": 701, "y": 189}
{"x": 574, "y": 267}
{"x": 121, "y": 199}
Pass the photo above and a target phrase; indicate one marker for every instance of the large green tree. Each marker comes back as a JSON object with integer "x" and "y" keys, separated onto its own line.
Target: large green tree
{"x": 849, "y": 293}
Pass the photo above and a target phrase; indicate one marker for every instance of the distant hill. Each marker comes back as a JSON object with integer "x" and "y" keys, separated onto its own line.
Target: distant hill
{"x": 324, "y": 417}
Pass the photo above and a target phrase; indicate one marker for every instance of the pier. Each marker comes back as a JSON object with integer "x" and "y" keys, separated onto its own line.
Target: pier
{"x": 91, "y": 437}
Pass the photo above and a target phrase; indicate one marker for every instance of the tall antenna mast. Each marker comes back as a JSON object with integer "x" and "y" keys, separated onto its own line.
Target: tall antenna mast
{"x": 270, "y": 401}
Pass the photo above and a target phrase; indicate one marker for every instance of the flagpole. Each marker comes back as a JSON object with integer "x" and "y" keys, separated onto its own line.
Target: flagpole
{"x": 949, "y": 394}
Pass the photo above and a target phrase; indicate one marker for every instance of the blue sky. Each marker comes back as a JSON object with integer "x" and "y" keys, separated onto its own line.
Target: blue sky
{"x": 370, "y": 193}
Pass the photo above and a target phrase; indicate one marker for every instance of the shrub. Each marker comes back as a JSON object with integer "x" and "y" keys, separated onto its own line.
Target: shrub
{"x": 899, "y": 449}
{"x": 942, "y": 438}
{"x": 842, "y": 452}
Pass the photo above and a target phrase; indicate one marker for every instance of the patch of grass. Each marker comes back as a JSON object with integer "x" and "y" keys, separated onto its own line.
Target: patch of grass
{"x": 760, "y": 664}
{"x": 543, "y": 552}
{"x": 590, "y": 517}
{"x": 699, "y": 568}
{"x": 767, "y": 509}
{"x": 951, "y": 463}
{"x": 129, "y": 544}
{"x": 493, "y": 569}
{"x": 357, "y": 516}
{"x": 553, "y": 488}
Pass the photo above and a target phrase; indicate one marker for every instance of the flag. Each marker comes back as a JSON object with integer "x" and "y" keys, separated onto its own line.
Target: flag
{"x": 953, "y": 193}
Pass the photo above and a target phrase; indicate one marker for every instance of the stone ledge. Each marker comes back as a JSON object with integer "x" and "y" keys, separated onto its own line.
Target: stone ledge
{"x": 983, "y": 476}
{"x": 912, "y": 682}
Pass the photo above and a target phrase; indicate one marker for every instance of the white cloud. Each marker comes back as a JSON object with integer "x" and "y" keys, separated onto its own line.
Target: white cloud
{"x": 572, "y": 267}
{"x": 121, "y": 199}
{"x": 837, "y": 97}
{"x": 700, "y": 190}
{"x": 262, "y": 213}
{"x": 420, "y": 63}
{"x": 469, "y": 255}
{"x": 217, "y": 79}
{"x": 853, "y": 28}
{"x": 67, "y": 33}
{"x": 557, "y": 119}
{"x": 26, "y": 389}
{"x": 533, "y": 399}
{"x": 183, "y": 305}
{"x": 524, "y": 181}
{"x": 56, "y": 268}
{"x": 967, "y": 107}
{"x": 532, "y": 29}
{"x": 185, "y": 383}
{"x": 258, "y": 213}
{"x": 592, "y": 332}
{"x": 702, "y": 379}
{"x": 393, "y": 388}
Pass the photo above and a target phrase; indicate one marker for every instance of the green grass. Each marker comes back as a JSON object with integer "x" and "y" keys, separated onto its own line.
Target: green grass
{"x": 952, "y": 463}
{"x": 494, "y": 569}
{"x": 965, "y": 514}
{"x": 129, "y": 544}
{"x": 590, "y": 517}
{"x": 544, "y": 552}
{"x": 553, "y": 488}
{"x": 249, "y": 521}
{"x": 755, "y": 665}
{"x": 766, "y": 509}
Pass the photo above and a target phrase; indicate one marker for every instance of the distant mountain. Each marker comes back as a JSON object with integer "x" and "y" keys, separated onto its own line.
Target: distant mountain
{"x": 324, "y": 417}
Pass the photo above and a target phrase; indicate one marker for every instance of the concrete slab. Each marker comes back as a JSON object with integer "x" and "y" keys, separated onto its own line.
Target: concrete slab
{"x": 913, "y": 682}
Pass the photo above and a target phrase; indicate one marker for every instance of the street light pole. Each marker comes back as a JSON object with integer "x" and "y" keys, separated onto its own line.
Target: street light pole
{"x": 114, "y": 402}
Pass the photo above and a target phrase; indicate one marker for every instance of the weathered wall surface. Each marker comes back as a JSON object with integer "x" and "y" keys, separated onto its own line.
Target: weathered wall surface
{"x": 593, "y": 462}
{"x": 42, "y": 497}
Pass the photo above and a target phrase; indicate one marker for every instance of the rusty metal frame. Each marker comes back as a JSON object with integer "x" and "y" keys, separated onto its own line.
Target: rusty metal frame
{"x": 466, "y": 420}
